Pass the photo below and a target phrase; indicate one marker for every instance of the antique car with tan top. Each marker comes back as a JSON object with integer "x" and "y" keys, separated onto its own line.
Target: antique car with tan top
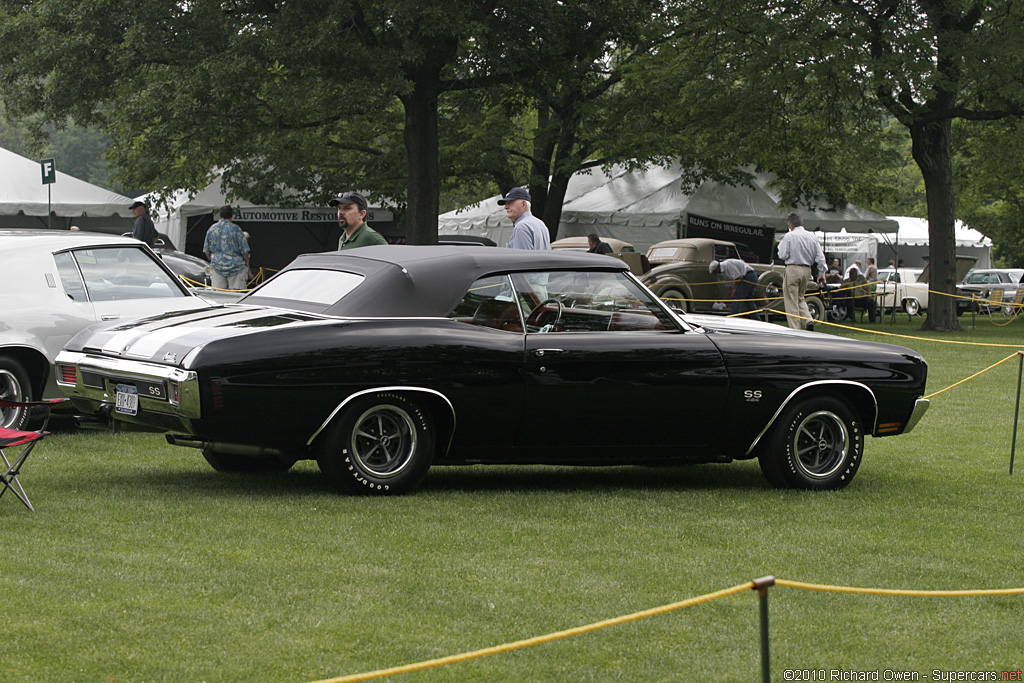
{"x": 679, "y": 275}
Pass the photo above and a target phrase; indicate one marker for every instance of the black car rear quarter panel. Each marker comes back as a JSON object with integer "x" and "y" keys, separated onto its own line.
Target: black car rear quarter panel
{"x": 294, "y": 379}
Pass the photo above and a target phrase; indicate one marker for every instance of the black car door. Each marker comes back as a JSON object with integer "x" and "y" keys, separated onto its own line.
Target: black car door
{"x": 608, "y": 384}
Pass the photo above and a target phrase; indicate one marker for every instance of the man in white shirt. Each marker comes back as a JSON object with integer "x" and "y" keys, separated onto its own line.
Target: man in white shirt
{"x": 744, "y": 284}
{"x": 800, "y": 250}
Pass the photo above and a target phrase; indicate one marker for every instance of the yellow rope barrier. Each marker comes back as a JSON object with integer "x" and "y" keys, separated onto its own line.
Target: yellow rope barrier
{"x": 981, "y": 372}
{"x": 895, "y": 591}
{"x": 519, "y": 644}
{"x": 900, "y": 336}
{"x": 202, "y": 285}
{"x": 579, "y": 630}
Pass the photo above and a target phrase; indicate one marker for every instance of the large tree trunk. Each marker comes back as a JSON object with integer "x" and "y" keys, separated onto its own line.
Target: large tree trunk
{"x": 559, "y": 163}
{"x": 932, "y": 152}
{"x": 421, "y": 148}
{"x": 556, "y": 198}
{"x": 540, "y": 164}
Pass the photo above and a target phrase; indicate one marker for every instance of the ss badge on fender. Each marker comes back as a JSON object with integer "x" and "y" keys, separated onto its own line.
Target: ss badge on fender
{"x": 752, "y": 396}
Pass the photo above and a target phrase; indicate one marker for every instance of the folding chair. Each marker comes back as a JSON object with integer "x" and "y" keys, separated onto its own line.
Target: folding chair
{"x": 1014, "y": 308}
{"x": 27, "y": 440}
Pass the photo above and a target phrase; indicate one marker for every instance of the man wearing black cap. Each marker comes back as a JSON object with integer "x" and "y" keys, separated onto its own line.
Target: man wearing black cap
{"x": 529, "y": 231}
{"x": 143, "y": 229}
{"x": 352, "y": 219}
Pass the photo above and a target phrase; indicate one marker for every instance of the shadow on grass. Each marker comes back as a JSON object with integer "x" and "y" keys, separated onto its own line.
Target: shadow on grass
{"x": 550, "y": 478}
{"x": 305, "y": 480}
{"x": 210, "y": 483}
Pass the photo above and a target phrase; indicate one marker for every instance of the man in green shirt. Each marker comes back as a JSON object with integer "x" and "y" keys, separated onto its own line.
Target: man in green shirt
{"x": 352, "y": 219}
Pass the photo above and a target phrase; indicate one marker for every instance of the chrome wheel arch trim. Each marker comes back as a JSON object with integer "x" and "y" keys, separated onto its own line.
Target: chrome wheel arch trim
{"x": 793, "y": 394}
{"x": 377, "y": 390}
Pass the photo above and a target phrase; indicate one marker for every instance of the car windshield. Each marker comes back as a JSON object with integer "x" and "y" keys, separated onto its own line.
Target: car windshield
{"x": 322, "y": 288}
{"x": 982, "y": 279}
{"x": 114, "y": 274}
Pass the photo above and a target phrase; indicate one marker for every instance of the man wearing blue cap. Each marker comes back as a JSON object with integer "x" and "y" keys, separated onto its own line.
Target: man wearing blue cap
{"x": 529, "y": 231}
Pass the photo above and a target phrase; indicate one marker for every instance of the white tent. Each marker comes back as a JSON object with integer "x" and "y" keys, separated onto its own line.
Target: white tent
{"x": 849, "y": 248}
{"x": 172, "y": 219}
{"x": 910, "y": 243}
{"x": 25, "y": 201}
{"x": 647, "y": 206}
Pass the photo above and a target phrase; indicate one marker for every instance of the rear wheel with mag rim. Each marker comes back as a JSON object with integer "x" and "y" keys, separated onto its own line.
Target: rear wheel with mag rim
{"x": 381, "y": 444}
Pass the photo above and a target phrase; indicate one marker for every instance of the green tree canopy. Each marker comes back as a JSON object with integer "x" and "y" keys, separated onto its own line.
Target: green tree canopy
{"x": 813, "y": 85}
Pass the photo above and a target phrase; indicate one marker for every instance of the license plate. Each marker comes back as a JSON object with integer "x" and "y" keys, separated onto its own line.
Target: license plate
{"x": 127, "y": 400}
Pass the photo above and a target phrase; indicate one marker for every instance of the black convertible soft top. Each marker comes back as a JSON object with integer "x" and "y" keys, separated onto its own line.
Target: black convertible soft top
{"x": 405, "y": 280}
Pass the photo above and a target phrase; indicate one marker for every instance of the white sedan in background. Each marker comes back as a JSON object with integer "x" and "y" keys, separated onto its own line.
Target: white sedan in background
{"x": 53, "y": 284}
{"x": 901, "y": 287}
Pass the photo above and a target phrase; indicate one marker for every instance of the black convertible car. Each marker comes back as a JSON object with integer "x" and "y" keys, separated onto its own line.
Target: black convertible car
{"x": 382, "y": 361}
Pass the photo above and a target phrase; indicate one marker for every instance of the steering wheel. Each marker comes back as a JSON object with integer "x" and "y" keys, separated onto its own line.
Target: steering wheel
{"x": 533, "y": 319}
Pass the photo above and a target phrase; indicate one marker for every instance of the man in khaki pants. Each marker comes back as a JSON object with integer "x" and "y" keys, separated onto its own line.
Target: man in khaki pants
{"x": 800, "y": 250}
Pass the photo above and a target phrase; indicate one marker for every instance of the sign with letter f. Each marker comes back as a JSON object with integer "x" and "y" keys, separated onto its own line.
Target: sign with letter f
{"x": 49, "y": 168}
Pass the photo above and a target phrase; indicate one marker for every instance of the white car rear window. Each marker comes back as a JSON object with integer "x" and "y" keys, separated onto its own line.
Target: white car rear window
{"x": 315, "y": 286}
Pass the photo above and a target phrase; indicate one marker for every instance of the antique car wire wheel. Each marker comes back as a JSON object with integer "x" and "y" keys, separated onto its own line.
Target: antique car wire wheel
{"x": 820, "y": 445}
{"x": 676, "y": 299}
{"x": 816, "y": 307}
{"x": 772, "y": 283}
{"x": 383, "y": 440}
{"x": 14, "y": 386}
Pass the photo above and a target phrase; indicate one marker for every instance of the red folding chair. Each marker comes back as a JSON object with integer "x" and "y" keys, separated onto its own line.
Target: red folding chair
{"x": 14, "y": 438}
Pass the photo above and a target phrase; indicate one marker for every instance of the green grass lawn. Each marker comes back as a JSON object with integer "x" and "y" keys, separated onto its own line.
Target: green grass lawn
{"x": 143, "y": 564}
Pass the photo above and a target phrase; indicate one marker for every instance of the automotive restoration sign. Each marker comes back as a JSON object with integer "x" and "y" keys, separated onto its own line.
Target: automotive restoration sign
{"x": 758, "y": 240}
{"x": 262, "y": 214}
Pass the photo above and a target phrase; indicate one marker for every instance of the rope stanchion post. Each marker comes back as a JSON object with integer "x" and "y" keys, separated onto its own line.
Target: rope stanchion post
{"x": 1016, "y": 410}
{"x": 761, "y": 586}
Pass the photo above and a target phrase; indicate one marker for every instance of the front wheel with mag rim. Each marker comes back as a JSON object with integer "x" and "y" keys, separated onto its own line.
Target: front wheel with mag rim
{"x": 382, "y": 444}
{"x": 817, "y": 443}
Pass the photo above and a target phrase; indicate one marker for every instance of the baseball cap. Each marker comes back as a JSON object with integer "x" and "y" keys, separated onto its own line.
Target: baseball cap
{"x": 350, "y": 198}
{"x": 514, "y": 194}
{"x": 137, "y": 205}
{"x": 712, "y": 267}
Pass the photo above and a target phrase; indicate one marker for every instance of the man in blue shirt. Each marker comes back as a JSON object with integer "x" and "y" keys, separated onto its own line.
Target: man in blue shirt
{"x": 529, "y": 231}
{"x": 228, "y": 252}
